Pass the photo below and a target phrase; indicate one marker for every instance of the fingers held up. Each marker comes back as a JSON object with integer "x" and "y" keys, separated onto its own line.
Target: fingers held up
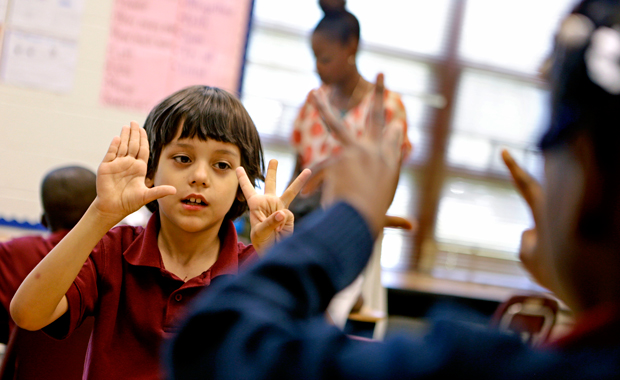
{"x": 366, "y": 172}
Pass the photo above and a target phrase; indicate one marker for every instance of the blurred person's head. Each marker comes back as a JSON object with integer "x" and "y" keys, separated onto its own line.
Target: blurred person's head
{"x": 582, "y": 161}
{"x": 335, "y": 41}
{"x": 66, "y": 194}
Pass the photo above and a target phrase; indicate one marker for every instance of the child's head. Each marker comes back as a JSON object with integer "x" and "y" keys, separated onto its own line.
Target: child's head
{"x": 66, "y": 194}
{"x": 582, "y": 165}
{"x": 205, "y": 112}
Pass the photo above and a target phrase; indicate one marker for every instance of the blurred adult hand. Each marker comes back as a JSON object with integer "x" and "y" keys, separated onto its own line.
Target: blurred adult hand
{"x": 366, "y": 171}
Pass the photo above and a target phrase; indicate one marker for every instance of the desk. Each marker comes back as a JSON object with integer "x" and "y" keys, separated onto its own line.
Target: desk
{"x": 423, "y": 283}
{"x": 413, "y": 294}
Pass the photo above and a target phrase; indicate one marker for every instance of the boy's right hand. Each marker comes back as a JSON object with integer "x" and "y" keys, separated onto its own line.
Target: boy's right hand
{"x": 121, "y": 188}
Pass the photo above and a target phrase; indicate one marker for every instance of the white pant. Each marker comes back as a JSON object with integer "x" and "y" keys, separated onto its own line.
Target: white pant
{"x": 369, "y": 285}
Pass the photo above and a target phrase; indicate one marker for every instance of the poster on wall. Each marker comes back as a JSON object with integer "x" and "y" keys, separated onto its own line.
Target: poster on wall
{"x": 158, "y": 47}
{"x": 40, "y": 46}
{"x": 3, "y": 4}
{"x": 51, "y": 18}
{"x": 39, "y": 62}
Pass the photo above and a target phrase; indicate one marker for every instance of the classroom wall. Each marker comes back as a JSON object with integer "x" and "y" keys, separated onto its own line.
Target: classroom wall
{"x": 41, "y": 130}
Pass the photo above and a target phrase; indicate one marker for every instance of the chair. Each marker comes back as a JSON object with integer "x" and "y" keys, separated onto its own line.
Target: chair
{"x": 362, "y": 323}
{"x": 32, "y": 355}
{"x": 530, "y": 316}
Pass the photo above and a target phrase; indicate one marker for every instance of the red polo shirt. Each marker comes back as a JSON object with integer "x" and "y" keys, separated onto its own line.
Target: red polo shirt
{"x": 598, "y": 327}
{"x": 136, "y": 302}
{"x": 17, "y": 258}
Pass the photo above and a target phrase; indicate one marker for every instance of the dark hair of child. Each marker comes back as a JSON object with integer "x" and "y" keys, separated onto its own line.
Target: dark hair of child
{"x": 338, "y": 23}
{"x": 206, "y": 113}
{"x": 66, "y": 194}
{"x": 580, "y": 106}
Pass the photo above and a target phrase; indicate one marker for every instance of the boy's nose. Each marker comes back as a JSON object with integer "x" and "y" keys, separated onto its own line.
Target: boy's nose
{"x": 200, "y": 176}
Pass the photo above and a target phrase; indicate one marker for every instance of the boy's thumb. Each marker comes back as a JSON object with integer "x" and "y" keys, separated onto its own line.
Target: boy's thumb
{"x": 158, "y": 192}
{"x": 270, "y": 224}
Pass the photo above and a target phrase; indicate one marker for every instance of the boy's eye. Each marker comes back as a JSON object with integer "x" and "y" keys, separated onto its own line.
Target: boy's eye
{"x": 222, "y": 165}
{"x": 182, "y": 159}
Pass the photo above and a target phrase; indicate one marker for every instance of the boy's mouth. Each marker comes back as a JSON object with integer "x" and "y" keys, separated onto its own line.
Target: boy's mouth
{"x": 194, "y": 201}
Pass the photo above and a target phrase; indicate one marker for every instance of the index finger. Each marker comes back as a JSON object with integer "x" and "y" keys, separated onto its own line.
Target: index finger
{"x": 376, "y": 117}
{"x": 244, "y": 182}
{"x": 293, "y": 189}
{"x": 526, "y": 185}
{"x": 335, "y": 125}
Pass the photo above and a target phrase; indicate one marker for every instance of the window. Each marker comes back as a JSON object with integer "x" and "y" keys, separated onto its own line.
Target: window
{"x": 494, "y": 49}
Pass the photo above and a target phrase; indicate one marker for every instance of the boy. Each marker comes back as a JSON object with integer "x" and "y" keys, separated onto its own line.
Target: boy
{"x": 66, "y": 194}
{"x": 577, "y": 255}
{"x": 137, "y": 281}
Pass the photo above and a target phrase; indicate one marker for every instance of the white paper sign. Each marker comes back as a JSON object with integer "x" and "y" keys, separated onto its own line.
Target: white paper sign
{"x": 57, "y": 18}
{"x": 3, "y": 4}
{"x": 37, "y": 61}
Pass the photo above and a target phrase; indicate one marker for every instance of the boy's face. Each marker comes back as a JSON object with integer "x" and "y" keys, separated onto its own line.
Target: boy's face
{"x": 203, "y": 172}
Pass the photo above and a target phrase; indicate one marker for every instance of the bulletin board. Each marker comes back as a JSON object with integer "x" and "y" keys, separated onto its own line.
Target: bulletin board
{"x": 73, "y": 72}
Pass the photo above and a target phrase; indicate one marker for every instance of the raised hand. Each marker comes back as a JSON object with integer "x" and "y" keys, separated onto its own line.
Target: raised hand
{"x": 533, "y": 249}
{"x": 121, "y": 188}
{"x": 366, "y": 172}
{"x": 270, "y": 219}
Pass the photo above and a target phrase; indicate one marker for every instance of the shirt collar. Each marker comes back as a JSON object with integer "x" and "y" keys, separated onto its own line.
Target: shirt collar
{"x": 144, "y": 251}
{"x": 599, "y": 327}
{"x": 228, "y": 259}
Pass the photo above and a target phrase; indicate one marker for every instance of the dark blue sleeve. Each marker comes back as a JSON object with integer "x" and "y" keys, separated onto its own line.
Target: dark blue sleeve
{"x": 268, "y": 323}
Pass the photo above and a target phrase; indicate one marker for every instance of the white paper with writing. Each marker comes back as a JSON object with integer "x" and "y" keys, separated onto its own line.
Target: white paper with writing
{"x": 55, "y": 18}
{"x": 37, "y": 61}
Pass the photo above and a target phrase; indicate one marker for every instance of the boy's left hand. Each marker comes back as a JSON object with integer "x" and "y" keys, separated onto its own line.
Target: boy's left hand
{"x": 270, "y": 219}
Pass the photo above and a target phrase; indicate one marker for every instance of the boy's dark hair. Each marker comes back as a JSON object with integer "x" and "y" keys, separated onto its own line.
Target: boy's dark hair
{"x": 66, "y": 194}
{"x": 338, "y": 23}
{"x": 206, "y": 113}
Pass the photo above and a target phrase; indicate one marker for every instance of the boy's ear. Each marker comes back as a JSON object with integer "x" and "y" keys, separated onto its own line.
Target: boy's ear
{"x": 240, "y": 196}
{"x": 149, "y": 182}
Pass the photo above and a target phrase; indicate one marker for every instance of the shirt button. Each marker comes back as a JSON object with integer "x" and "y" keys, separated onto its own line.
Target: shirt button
{"x": 178, "y": 297}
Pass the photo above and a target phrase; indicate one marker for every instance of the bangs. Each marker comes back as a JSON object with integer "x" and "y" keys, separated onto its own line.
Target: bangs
{"x": 204, "y": 113}
{"x": 215, "y": 118}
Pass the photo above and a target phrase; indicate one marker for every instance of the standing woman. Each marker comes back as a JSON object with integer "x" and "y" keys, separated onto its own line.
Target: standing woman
{"x": 335, "y": 43}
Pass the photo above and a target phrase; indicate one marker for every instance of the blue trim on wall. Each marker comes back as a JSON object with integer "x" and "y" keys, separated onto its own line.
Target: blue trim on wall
{"x": 22, "y": 225}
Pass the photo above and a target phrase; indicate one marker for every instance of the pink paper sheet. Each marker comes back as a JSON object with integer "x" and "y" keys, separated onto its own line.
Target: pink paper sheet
{"x": 158, "y": 47}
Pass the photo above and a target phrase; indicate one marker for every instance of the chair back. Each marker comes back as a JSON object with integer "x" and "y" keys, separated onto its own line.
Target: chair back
{"x": 530, "y": 316}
